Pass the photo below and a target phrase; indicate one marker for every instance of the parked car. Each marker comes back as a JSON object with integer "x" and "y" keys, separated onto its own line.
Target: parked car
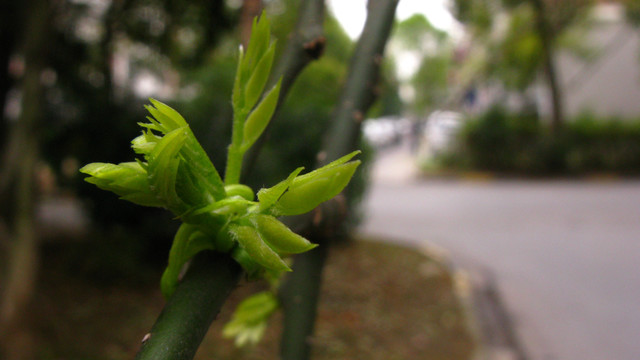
{"x": 440, "y": 131}
{"x": 385, "y": 131}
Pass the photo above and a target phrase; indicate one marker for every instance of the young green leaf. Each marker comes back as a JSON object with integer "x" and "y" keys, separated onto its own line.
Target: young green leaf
{"x": 145, "y": 143}
{"x": 310, "y": 190}
{"x": 258, "y": 80}
{"x": 201, "y": 168}
{"x": 128, "y": 180}
{"x": 260, "y": 117}
{"x": 259, "y": 41}
{"x": 163, "y": 169}
{"x": 250, "y": 240}
{"x": 252, "y": 268}
{"x": 237, "y": 95}
{"x": 187, "y": 242}
{"x": 169, "y": 113}
{"x": 268, "y": 197}
{"x": 250, "y": 318}
{"x": 340, "y": 161}
{"x": 279, "y": 237}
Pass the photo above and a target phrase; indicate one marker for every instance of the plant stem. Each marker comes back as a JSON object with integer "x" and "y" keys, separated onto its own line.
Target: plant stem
{"x": 306, "y": 44}
{"x": 186, "y": 317}
{"x": 235, "y": 155}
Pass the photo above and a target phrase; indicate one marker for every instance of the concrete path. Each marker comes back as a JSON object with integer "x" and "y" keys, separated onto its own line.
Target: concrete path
{"x": 565, "y": 254}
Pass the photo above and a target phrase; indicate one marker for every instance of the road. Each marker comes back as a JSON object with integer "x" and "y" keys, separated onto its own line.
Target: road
{"x": 565, "y": 254}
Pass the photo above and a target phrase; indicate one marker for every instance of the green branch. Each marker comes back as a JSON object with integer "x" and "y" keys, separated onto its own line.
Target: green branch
{"x": 186, "y": 317}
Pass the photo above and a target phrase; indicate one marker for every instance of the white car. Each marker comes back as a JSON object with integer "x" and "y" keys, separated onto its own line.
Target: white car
{"x": 441, "y": 129}
{"x": 385, "y": 131}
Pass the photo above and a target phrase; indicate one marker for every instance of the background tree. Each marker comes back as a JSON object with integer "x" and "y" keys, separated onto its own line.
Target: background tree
{"x": 72, "y": 107}
{"x": 300, "y": 291}
{"x": 428, "y": 85}
{"x": 23, "y": 253}
{"x": 529, "y": 43}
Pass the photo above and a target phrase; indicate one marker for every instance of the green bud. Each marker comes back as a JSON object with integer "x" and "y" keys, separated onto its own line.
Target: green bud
{"x": 260, "y": 117}
{"x": 201, "y": 169}
{"x": 188, "y": 188}
{"x": 260, "y": 252}
{"x": 249, "y": 320}
{"x": 268, "y": 197}
{"x": 280, "y": 238}
{"x": 163, "y": 169}
{"x": 259, "y": 76}
{"x": 251, "y": 268}
{"x": 128, "y": 180}
{"x": 237, "y": 96}
{"x": 224, "y": 241}
{"x": 258, "y": 43}
{"x": 167, "y": 119}
{"x": 145, "y": 143}
{"x": 310, "y": 190}
{"x": 187, "y": 242}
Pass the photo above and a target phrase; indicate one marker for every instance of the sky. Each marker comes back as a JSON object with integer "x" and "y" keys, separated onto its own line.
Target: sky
{"x": 351, "y": 14}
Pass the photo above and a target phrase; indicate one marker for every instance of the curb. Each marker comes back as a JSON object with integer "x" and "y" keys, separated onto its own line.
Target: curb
{"x": 489, "y": 319}
{"x": 488, "y": 176}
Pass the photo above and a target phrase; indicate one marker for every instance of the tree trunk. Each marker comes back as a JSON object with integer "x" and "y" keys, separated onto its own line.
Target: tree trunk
{"x": 550, "y": 72}
{"x": 23, "y": 257}
{"x": 299, "y": 294}
{"x": 10, "y": 20}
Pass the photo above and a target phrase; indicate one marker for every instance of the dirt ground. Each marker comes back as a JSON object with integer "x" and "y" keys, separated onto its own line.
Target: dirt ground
{"x": 378, "y": 301}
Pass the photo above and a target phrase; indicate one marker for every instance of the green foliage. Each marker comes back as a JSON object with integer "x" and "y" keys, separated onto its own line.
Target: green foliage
{"x": 632, "y": 11}
{"x": 519, "y": 55}
{"x": 177, "y": 174}
{"x": 431, "y": 82}
{"x": 478, "y": 14}
{"x": 174, "y": 175}
{"x": 413, "y": 31}
{"x": 249, "y": 320}
{"x": 520, "y": 144}
{"x": 515, "y": 55}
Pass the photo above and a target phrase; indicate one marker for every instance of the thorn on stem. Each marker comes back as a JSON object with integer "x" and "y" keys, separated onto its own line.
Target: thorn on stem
{"x": 315, "y": 47}
{"x": 317, "y": 216}
{"x": 322, "y": 156}
{"x": 146, "y": 338}
{"x": 358, "y": 116}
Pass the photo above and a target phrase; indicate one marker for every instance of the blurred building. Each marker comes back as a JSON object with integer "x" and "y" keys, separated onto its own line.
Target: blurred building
{"x": 606, "y": 84}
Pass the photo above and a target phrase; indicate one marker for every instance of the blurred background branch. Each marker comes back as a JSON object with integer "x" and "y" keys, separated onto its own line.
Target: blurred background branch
{"x": 301, "y": 289}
